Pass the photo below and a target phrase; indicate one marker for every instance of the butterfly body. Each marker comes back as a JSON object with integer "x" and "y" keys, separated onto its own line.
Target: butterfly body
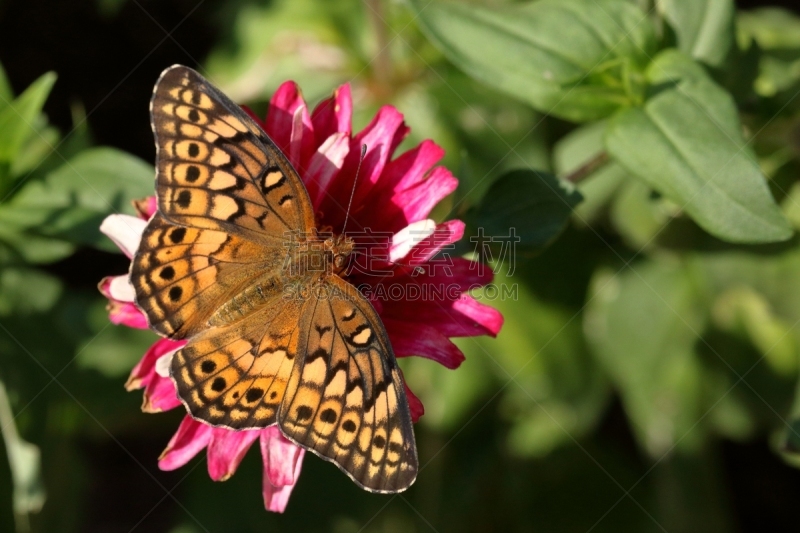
{"x": 234, "y": 263}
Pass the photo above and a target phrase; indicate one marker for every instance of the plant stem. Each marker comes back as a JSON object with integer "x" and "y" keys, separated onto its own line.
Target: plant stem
{"x": 588, "y": 168}
{"x": 382, "y": 61}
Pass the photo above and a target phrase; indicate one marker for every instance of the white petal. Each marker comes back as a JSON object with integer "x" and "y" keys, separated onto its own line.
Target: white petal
{"x": 405, "y": 239}
{"x": 121, "y": 289}
{"x": 125, "y": 230}
{"x": 163, "y": 363}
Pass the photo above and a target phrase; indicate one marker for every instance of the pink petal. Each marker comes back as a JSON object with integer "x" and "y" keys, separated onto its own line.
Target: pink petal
{"x": 380, "y": 137}
{"x": 126, "y": 314}
{"x": 121, "y": 312}
{"x": 414, "y": 338}
{"x": 407, "y": 238}
{"x": 282, "y": 463}
{"x": 414, "y": 404}
{"x": 482, "y": 315}
{"x": 276, "y": 498}
{"x": 281, "y": 457}
{"x": 418, "y": 201}
{"x": 125, "y": 231}
{"x": 146, "y": 207}
{"x": 191, "y": 437}
{"x": 145, "y": 369}
{"x": 121, "y": 289}
{"x": 438, "y": 299}
{"x": 226, "y": 450}
{"x": 160, "y": 395}
{"x": 442, "y": 238}
{"x": 325, "y": 165}
{"x": 333, "y": 115}
{"x": 411, "y": 167}
{"x": 289, "y": 125}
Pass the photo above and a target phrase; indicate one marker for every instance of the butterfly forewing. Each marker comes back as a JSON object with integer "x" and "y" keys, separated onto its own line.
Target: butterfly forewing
{"x": 217, "y": 168}
{"x": 346, "y": 400}
{"x": 182, "y": 273}
{"x": 266, "y": 343}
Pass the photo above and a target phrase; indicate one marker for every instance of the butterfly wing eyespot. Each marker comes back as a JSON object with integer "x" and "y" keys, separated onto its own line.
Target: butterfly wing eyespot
{"x": 345, "y": 400}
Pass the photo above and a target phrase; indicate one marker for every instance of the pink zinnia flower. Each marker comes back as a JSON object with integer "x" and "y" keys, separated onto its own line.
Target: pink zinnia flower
{"x": 398, "y": 252}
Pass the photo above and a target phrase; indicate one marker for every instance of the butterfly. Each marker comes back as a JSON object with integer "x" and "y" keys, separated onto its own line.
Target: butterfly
{"x": 233, "y": 262}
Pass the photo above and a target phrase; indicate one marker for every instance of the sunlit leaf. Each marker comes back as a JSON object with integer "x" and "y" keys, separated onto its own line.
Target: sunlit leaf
{"x": 70, "y": 202}
{"x": 17, "y": 117}
{"x": 575, "y": 59}
{"x": 577, "y": 149}
{"x": 704, "y": 27}
{"x": 642, "y": 325}
{"x": 687, "y": 144}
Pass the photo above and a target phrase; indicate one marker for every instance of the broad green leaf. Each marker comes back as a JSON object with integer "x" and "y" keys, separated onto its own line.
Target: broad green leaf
{"x": 746, "y": 312}
{"x": 71, "y": 201}
{"x": 6, "y": 92}
{"x": 535, "y": 205}
{"x": 776, "y": 33}
{"x": 642, "y": 325}
{"x": 686, "y": 143}
{"x": 578, "y": 148}
{"x": 17, "y": 245}
{"x": 704, "y": 27}
{"x": 637, "y": 215}
{"x": 574, "y": 59}
{"x": 771, "y": 27}
{"x": 17, "y": 117}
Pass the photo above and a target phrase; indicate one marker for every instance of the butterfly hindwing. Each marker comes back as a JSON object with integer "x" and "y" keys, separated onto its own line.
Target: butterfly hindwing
{"x": 235, "y": 374}
{"x": 217, "y": 169}
{"x": 345, "y": 400}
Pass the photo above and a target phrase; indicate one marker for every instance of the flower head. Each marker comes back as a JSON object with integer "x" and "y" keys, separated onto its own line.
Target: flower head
{"x": 399, "y": 251}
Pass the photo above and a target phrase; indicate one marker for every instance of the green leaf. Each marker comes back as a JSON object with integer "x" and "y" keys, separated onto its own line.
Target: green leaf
{"x": 24, "y": 291}
{"x": 642, "y": 325}
{"x": 575, "y": 150}
{"x": 6, "y": 93}
{"x": 637, "y": 216}
{"x": 686, "y": 143}
{"x": 26, "y": 465}
{"x": 746, "y": 312}
{"x": 71, "y": 201}
{"x": 704, "y": 27}
{"x": 574, "y": 59}
{"x": 17, "y": 118}
{"x": 536, "y": 205}
{"x": 771, "y": 27}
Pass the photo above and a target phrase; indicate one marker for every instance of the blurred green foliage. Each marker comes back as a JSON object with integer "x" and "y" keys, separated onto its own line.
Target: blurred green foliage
{"x": 647, "y": 154}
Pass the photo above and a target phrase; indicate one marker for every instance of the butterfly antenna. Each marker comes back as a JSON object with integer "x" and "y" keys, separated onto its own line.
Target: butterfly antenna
{"x": 353, "y": 190}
